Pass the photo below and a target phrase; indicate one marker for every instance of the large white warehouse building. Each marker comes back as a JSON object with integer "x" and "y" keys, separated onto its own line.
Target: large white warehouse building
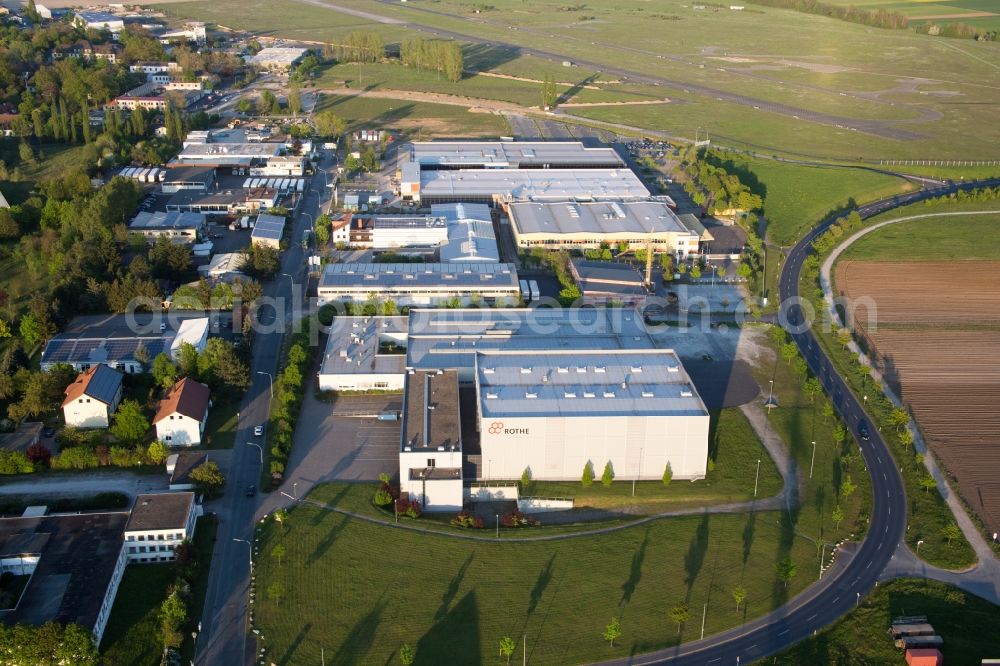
{"x": 554, "y": 412}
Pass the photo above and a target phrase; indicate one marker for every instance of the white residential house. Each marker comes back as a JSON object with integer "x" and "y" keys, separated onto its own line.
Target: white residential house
{"x": 93, "y": 397}
{"x": 180, "y": 418}
{"x": 158, "y": 524}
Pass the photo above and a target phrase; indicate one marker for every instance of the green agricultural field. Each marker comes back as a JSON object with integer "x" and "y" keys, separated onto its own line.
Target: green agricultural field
{"x": 416, "y": 119}
{"x": 984, "y": 14}
{"x": 933, "y": 239}
{"x": 735, "y": 449}
{"x": 966, "y": 622}
{"x": 359, "y": 590}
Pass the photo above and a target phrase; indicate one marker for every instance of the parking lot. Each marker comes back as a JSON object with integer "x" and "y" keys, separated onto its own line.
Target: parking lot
{"x": 344, "y": 441}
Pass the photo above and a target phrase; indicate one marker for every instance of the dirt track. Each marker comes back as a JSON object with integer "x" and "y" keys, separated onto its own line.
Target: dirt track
{"x": 936, "y": 337}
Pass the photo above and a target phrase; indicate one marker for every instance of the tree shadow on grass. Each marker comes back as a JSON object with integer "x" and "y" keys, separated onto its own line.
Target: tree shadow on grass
{"x": 635, "y": 573}
{"x": 294, "y": 645}
{"x": 748, "y": 534}
{"x": 320, "y": 515}
{"x": 542, "y": 582}
{"x": 360, "y": 638}
{"x": 340, "y": 522}
{"x": 454, "y": 639}
{"x": 695, "y": 556}
{"x": 452, "y": 589}
{"x": 484, "y": 57}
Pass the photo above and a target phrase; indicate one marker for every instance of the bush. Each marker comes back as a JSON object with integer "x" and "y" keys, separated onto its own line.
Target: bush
{"x": 588, "y": 474}
{"x": 15, "y": 462}
{"x": 408, "y": 508}
{"x": 39, "y": 454}
{"x": 518, "y": 519}
{"x": 383, "y": 496}
{"x": 467, "y": 520}
{"x": 76, "y": 457}
{"x": 609, "y": 474}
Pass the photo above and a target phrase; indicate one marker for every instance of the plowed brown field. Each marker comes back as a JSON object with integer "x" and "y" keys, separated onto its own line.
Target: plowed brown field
{"x": 936, "y": 336}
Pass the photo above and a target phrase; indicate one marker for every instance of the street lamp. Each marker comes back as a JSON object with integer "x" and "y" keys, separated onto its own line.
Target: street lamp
{"x": 813, "y": 461}
{"x": 770, "y": 395}
{"x": 918, "y": 546}
{"x": 756, "y": 478}
{"x": 250, "y": 549}
{"x": 270, "y": 384}
{"x": 261, "y": 449}
{"x": 498, "y": 525}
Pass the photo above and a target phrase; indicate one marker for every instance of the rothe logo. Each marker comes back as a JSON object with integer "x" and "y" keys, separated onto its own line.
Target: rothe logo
{"x": 496, "y": 427}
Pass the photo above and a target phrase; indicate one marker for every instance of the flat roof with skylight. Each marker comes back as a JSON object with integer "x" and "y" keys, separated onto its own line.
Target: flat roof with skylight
{"x": 589, "y": 383}
{"x": 531, "y": 185}
{"x": 512, "y": 154}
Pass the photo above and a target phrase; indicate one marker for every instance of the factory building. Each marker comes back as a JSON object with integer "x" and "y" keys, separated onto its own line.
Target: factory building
{"x": 555, "y": 411}
{"x": 505, "y": 185}
{"x": 439, "y": 155}
{"x": 364, "y": 354}
{"x": 430, "y": 457}
{"x": 420, "y": 284}
{"x": 553, "y": 391}
{"x": 579, "y": 225}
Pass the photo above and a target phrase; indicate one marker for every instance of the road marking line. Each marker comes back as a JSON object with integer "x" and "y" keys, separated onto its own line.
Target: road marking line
{"x": 811, "y": 618}
{"x": 782, "y": 633}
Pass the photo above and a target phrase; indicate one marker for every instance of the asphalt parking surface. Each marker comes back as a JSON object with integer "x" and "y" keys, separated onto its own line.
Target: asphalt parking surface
{"x": 344, "y": 440}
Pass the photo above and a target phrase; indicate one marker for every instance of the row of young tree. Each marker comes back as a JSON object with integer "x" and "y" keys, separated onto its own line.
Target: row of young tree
{"x": 444, "y": 57}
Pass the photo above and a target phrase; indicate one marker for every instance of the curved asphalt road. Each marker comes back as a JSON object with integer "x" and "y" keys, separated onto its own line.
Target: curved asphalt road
{"x": 856, "y": 570}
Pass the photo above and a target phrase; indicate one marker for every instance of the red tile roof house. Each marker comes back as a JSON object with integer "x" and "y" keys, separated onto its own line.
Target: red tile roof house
{"x": 181, "y": 416}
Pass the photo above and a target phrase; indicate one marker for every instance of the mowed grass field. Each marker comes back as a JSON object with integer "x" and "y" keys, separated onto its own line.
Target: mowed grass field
{"x": 797, "y": 196}
{"x": 966, "y": 622}
{"x": 416, "y": 119}
{"x": 929, "y": 87}
{"x": 359, "y": 590}
{"x": 965, "y": 238}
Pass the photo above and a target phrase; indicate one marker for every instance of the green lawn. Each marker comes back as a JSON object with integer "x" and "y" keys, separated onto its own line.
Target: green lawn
{"x": 220, "y": 429}
{"x": 359, "y": 590}
{"x": 736, "y": 450}
{"x": 796, "y": 197}
{"x": 966, "y": 622}
{"x": 132, "y": 637}
{"x": 801, "y": 422}
{"x": 969, "y": 237}
{"x": 416, "y": 119}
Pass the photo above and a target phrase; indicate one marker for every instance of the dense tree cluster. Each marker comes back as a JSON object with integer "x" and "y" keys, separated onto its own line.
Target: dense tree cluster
{"x": 437, "y": 55}
{"x": 50, "y": 643}
{"x": 712, "y": 187}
